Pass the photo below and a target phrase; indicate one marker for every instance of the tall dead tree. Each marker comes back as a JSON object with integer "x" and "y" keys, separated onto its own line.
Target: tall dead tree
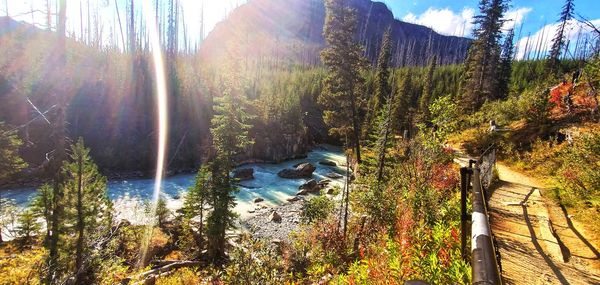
{"x": 559, "y": 39}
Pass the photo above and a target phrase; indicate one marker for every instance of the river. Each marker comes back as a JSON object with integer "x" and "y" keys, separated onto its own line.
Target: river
{"x": 128, "y": 195}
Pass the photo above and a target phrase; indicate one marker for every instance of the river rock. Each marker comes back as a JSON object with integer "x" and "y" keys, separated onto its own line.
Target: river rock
{"x": 294, "y": 199}
{"x": 334, "y": 175}
{"x": 275, "y": 217}
{"x": 303, "y": 170}
{"x": 244, "y": 174}
{"x": 328, "y": 163}
{"x": 302, "y": 192}
{"x": 310, "y": 186}
{"x": 330, "y": 191}
{"x": 258, "y": 200}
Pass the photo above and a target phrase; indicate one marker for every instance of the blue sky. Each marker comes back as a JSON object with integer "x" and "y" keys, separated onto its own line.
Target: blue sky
{"x": 537, "y": 17}
{"x": 536, "y": 13}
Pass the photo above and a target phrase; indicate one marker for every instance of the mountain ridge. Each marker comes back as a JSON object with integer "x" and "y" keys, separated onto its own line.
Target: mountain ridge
{"x": 291, "y": 31}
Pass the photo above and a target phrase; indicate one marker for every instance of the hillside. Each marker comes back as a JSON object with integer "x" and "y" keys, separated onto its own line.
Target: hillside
{"x": 292, "y": 31}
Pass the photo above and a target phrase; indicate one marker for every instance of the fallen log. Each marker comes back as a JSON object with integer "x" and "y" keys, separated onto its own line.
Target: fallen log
{"x": 149, "y": 277}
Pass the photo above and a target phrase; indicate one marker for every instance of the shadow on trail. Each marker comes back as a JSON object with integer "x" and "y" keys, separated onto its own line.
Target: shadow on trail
{"x": 537, "y": 245}
{"x": 579, "y": 235}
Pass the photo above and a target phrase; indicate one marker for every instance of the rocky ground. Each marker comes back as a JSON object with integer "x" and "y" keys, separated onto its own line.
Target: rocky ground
{"x": 263, "y": 225}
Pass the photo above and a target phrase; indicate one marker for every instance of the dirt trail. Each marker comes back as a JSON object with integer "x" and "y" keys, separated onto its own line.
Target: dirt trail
{"x": 538, "y": 243}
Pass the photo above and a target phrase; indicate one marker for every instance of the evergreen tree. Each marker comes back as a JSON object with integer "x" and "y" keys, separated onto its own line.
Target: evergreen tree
{"x": 230, "y": 137}
{"x": 10, "y": 162}
{"x": 505, "y": 67}
{"x": 162, "y": 212}
{"x": 59, "y": 141}
{"x": 382, "y": 76}
{"x": 28, "y": 226}
{"x": 87, "y": 207}
{"x": 382, "y": 85}
{"x": 195, "y": 201}
{"x": 401, "y": 109}
{"x": 344, "y": 60}
{"x": 559, "y": 39}
{"x": 481, "y": 82}
{"x": 427, "y": 90}
{"x": 42, "y": 206}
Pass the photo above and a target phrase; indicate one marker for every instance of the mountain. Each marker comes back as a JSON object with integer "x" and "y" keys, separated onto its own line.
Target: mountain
{"x": 292, "y": 31}
{"x": 8, "y": 25}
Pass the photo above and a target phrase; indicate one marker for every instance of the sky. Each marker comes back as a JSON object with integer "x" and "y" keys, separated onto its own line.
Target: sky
{"x": 214, "y": 12}
{"x": 448, "y": 17}
{"x": 537, "y": 17}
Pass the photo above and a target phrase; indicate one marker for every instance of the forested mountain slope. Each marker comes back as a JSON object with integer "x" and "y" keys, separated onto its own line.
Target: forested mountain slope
{"x": 292, "y": 31}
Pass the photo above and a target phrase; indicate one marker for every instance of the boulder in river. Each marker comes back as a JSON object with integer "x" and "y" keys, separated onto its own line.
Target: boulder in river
{"x": 310, "y": 186}
{"x": 334, "y": 175}
{"x": 244, "y": 174}
{"x": 303, "y": 170}
{"x": 258, "y": 200}
{"x": 328, "y": 163}
{"x": 275, "y": 217}
{"x": 302, "y": 192}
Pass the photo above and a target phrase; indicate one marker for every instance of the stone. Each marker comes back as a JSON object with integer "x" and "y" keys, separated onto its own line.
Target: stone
{"x": 244, "y": 174}
{"x": 310, "y": 186}
{"x": 251, "y": 211}
{"x": 294, "y": 199}
{"x": 334, "y": 175}
{"x": 330, "y": 191}
{"x": 275, "y": 217}
{"x": 302, "y": 192}
{"x": 303, "y": 170}
{"x": 258, "y": 200}
{"x": 328, "y": 163}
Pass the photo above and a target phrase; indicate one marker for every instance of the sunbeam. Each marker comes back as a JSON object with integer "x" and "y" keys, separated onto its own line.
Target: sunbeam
{"x": 161, "y": 97}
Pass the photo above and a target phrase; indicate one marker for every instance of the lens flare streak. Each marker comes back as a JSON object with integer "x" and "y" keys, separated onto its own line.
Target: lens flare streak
{"x": 161, "y": 97}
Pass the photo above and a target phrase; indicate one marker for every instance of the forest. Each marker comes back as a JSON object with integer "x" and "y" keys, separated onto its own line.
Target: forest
{"x": 79, "y": 111}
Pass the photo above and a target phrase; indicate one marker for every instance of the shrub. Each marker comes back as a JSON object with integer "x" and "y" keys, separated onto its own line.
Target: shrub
{"x": 316, "y": 209}
{"x": 534, "y": 105}
{"x": 253, "y": 262}
{"x": 579, "y": 173}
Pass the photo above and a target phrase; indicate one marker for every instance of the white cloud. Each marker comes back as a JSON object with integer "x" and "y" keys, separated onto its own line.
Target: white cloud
{"x": 542, "y": 39}
{"x": 445, "y": 21}
{"x": 515, "y": 17}
{"x": 448, "y": 22}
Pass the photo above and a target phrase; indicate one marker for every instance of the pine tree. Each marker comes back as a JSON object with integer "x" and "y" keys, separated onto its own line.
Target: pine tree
{"x": 230, "y": 137}
{"x": 196, "y": 199}
{"x": 505, "y": 66}
{"x": 484, "y": 55}
{"x": 559, "y": 39}
{"x": 42, "y": 207}
{"x": 28, "y": 226}
{"x": 344, "y": 60}
{"x": 401, "y": 109}
{"x": 10, "y": 162}
{"x": 59, "y": 140}
{"x": 382, "y": 85}
{"x": 427, "y": 90}
{"x": 385, "y": 132}
{"x": 87, "y": 207}
{"x": 162, "y": 212}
